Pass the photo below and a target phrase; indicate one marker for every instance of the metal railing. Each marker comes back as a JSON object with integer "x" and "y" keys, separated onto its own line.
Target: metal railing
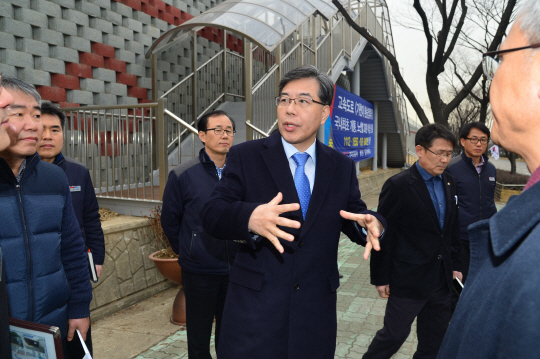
{"x": 124, "y": 147}
{"x": 118, "y": 145}
{"x": 203, "y": 90}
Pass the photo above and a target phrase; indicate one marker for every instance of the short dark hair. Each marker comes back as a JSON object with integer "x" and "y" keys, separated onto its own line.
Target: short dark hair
{"x": 465, "y": 130}
{"x": 48, "y": 108}
{"x": 429, "y": 133}
{"x": 326, "y": 86}
{"x": 202, "y": 125}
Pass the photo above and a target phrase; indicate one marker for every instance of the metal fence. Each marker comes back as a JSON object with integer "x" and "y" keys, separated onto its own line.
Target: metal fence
{"x": 118, "y": 145}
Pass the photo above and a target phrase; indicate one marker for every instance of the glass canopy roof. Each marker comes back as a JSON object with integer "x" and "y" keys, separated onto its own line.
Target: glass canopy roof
{"x": 264, "y": 22}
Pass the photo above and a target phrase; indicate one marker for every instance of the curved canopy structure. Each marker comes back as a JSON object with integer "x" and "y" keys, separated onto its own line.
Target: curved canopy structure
{"x": 264, "y": 22}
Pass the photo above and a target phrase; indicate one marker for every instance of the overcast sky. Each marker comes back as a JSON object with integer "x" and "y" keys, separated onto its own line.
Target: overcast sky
{"x": 411, "y": 50}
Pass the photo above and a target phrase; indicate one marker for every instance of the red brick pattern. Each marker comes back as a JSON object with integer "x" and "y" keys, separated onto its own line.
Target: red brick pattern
{"x": 102, "y": 50}
{"x": 65, "y": 81}
{"x": 116, "y": 65}
{"x": 90, "y": 59}
{"x": 54, "y": 94}
{"x": 126, "y": 79}
{"x": 138, "y": 92}
{"x": 79, "y": 70}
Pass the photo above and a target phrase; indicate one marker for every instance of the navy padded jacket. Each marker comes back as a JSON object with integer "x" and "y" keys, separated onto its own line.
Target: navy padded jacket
{"x": 188, "y": 189}
{"x": 476, "y": 192}
{"x": 85, "y": 204}
{"x": 46, "y": 267}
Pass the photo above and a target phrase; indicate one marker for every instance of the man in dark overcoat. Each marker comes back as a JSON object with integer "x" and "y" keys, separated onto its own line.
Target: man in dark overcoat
{"x": 287, "y": 197}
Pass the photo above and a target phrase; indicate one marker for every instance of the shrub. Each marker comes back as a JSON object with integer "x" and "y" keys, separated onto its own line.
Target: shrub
{"x": 504, "y": 177}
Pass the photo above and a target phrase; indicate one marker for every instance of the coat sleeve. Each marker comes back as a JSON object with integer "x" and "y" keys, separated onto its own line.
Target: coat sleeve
{"x": 226, "y": 215}
{"x": 75, "y": 263}
{"x": 172, "y": 211}
{"x": 356, "y": 205}
{"x": 389, "y": 207}
{"x": 95, "y": 239}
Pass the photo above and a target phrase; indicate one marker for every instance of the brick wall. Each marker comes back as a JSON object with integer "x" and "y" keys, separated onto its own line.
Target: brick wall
{"x": 91, "y": 52}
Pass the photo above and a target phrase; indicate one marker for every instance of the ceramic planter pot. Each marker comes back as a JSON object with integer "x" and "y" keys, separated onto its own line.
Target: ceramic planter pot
{"x": 171, "y": 270}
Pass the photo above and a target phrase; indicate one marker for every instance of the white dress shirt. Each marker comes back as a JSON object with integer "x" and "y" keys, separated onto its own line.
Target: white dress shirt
{"x": 309, "y": 168}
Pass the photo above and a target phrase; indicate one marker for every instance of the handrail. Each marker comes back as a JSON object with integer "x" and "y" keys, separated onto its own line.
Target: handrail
{"x": 191, "y": 74}
{"x": 265, "y": 77}
{"x": 248, "y": 122}
{"x": 182, "y": 122}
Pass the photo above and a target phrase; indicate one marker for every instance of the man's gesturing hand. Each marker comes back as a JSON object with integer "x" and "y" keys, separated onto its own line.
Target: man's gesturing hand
{"x": 373, "y": 226}
{"x": 265, "y": 219}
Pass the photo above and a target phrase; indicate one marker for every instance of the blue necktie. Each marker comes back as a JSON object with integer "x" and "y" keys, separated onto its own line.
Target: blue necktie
{"x": 301, "y": 181}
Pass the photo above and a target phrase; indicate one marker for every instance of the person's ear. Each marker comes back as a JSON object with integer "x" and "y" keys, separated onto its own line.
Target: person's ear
{"x": 419, "y": 150}
{"x": 325, "y": 114}
{"x": 202, "y": 136}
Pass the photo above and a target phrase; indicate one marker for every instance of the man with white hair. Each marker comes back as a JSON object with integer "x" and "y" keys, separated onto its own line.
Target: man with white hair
{"x": 497, "y": 314}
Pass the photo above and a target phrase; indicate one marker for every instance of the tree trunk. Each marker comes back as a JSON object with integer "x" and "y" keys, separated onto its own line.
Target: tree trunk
{"x": 512, "y": 159}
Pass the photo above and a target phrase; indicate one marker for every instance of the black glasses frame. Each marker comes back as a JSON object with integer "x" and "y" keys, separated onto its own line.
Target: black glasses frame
{"x": 294, "y": 99}
{"x": 491, "y": 66}
{"x": 439, "y": 155}
{"x": 228, "y": 132}
{"x": 477, "y": 139}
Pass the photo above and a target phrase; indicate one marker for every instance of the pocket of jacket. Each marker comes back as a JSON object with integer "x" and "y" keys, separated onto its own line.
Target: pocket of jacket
{"x": 246, "y": 277}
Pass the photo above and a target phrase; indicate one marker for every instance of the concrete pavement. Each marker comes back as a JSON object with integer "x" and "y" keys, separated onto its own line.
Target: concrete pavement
{"x": 504, "y": 164}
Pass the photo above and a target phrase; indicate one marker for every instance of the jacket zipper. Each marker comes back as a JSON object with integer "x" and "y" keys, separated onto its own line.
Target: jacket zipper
{"x": 29, "y": 255}
{"x": 480, "y": 183}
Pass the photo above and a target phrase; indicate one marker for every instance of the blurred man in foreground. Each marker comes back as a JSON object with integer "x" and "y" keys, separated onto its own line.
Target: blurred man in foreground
{"x": 497, "y": 314}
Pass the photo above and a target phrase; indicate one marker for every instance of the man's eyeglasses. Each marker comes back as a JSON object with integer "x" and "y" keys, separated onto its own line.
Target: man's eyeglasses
{"x": 491, "y": 60}
{"x": 1, "y": 78}
{"x": 219, "y": 131}
{"x": 302, "y": 102}
{"x": 440, "y": 154}
{"x": 474, "y": 140}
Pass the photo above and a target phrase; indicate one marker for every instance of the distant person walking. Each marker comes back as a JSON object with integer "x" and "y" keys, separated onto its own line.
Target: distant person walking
{"x": 475, "y": 177}
{"x": 420, "y": 255}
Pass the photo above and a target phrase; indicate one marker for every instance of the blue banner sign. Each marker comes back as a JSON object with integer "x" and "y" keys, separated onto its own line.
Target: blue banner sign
{"x": 351, "y": 129}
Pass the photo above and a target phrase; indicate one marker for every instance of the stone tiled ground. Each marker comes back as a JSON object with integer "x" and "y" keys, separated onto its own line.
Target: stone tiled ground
{"x": 360, "y": 314}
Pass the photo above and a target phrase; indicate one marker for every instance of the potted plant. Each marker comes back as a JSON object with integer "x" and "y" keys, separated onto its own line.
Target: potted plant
{"x": 166, "y": 262}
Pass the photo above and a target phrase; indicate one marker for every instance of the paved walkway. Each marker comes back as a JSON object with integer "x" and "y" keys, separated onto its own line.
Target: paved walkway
{"x": 504, "y": 164}
{"x": 143, "y": 331}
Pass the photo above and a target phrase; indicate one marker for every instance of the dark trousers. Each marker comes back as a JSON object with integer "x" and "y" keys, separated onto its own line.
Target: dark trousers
{"x": 205, "y": 299}
{"x": 74, "y": 349}
{"x": 433, "y": 315}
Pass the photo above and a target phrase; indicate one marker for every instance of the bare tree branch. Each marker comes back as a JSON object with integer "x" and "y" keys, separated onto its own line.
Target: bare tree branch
{"x": 391, "y": 58}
